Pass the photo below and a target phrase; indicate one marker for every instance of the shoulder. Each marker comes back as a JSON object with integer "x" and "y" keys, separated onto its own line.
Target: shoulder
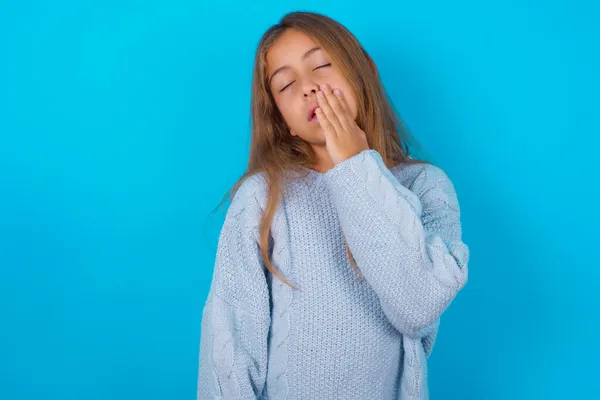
{"x": 419, "y": 175}
{"x": 429, "y": 182}
{"x": 250, "y": 196}
{"x": 253, "y": 187}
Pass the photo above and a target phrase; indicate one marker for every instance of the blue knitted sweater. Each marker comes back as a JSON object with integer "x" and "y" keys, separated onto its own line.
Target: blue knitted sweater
{"x": 338, "y": 335}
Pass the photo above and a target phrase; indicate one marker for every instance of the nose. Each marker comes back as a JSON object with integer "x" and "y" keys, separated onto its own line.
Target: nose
{"x": 310, "y": 88}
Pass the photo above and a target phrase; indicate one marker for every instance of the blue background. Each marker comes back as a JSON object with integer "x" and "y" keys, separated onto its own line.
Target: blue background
{"x": 123, "y": 123}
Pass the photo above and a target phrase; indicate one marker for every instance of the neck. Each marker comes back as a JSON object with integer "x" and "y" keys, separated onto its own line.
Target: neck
{"x": 323, "y": 161}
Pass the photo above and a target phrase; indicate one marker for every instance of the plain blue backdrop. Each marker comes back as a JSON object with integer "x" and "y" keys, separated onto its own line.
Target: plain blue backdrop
{"x": 123, "y": 123}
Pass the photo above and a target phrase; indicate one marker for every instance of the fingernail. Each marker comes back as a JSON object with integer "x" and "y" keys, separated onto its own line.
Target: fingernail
{"x": 320, "y": 94}
{"x": 337, "y": 91}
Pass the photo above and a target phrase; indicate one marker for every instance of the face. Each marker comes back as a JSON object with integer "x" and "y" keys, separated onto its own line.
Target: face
{"x": 296, "y": 67}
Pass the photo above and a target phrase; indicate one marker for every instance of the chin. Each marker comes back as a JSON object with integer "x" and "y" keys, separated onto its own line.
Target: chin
{"x": 316, "y": 137}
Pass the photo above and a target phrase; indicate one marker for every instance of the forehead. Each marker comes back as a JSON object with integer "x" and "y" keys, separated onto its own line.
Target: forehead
{"x": 288, "y": 49}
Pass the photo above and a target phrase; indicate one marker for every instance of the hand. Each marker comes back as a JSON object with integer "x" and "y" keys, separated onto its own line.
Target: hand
{"x": 343, "y": 137}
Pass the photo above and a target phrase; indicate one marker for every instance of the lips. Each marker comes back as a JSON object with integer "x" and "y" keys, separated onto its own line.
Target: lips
{"x": 311, "y": 111}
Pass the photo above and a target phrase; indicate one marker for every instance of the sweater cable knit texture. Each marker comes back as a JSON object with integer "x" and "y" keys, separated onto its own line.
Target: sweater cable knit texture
{"x": 338, "y": 336}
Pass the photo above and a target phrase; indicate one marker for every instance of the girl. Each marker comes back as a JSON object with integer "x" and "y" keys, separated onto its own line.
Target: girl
{"x": 339, "y": 251}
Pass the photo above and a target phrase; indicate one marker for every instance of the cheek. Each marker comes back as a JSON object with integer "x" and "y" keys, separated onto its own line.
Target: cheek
{"x": 290, "y": 110}
{"x": 286, "y": 111}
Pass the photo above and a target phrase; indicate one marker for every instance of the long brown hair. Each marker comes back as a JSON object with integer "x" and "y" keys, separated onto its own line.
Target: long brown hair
{"x": 273, "y": 150}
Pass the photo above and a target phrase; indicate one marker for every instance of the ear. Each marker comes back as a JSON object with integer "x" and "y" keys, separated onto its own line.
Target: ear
{"x": 293, "y": 133}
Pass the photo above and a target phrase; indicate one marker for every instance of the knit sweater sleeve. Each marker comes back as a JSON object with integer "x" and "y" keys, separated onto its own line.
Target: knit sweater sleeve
{"x": 236, "y": 314}
{"x": 407, "y": 243}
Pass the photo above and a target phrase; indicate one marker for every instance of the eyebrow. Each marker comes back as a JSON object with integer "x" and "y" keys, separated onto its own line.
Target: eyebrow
{"x": 308, "y": 53}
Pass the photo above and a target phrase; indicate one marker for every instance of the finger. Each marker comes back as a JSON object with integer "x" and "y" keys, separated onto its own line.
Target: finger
{"x": 346, "y": 118}
{"x": 333, "y": 101}
{"x": 328, "y": 128}
{"x": 353, "y": 125}
{"x": 342, "y": 99}
{"x": 329, "y": 112}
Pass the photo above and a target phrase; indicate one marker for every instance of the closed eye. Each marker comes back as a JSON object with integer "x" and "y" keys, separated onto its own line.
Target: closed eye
{"x": 286, "y": 86}
{"x": 283, "y": 88}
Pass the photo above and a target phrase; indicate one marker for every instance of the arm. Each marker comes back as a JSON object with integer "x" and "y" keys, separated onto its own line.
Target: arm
{"x": 408, "y": 247}
{"x": 236, "y": 315}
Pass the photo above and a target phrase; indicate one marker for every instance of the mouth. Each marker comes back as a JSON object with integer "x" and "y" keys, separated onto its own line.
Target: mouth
{"x": 312, "y": 116}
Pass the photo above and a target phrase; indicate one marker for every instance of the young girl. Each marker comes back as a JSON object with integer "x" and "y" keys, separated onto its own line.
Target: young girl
{"x": 339, "y": 252}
